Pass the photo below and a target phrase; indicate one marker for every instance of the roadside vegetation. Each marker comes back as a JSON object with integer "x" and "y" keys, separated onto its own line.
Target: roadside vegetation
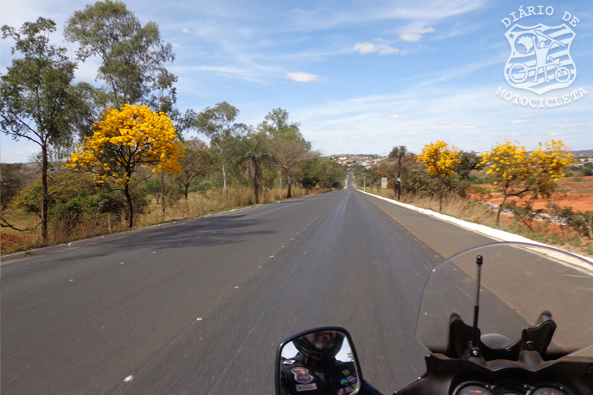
{"x": 540, "y": 194}
{"x": 119, "y": 154}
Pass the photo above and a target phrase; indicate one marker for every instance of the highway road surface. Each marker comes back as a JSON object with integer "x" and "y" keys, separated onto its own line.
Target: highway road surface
{"x": 199, "y": 307}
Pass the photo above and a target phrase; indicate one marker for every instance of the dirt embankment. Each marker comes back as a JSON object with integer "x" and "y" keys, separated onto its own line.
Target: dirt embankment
{"x": 577, "y": 194}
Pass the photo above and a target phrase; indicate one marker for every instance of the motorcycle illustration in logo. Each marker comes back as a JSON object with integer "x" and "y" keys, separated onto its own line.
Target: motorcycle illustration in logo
{"x": 540, "y": 58}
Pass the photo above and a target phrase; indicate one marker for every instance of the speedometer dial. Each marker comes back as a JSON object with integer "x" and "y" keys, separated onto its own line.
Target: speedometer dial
{"x": 473, "y": 389}
{"x": 548, "y": 391}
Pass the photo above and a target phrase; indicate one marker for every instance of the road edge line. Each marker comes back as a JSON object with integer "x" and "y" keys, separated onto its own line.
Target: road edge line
{"x": 497, "y": 234}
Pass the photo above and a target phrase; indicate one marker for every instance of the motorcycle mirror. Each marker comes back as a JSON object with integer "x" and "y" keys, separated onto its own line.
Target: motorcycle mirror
{"x": 318, "y": 361}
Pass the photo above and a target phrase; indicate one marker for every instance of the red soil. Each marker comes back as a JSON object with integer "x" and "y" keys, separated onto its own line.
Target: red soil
{"x": 10, "y": 241}
{"x": 579, "y": 196}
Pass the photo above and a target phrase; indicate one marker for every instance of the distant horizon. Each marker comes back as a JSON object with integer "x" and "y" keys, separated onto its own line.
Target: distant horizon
{"x": 587, "y": 151}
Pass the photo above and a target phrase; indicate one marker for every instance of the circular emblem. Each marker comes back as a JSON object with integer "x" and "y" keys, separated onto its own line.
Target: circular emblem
{"x": 301, "y": 375}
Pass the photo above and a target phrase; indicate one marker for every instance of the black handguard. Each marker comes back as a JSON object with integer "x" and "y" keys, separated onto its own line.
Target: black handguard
{"x": 367, "y": 389}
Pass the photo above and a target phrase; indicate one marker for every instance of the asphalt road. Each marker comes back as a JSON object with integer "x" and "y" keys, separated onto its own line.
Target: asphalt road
{"x": 199, "y": 307}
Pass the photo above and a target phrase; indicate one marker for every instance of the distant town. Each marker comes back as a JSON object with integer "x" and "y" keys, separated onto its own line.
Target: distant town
{"x": 369, "y": 161}
{"x": 365, "y": 160}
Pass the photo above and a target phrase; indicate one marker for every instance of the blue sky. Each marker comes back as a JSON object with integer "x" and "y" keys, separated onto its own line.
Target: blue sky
{"x": 360, "y": 76}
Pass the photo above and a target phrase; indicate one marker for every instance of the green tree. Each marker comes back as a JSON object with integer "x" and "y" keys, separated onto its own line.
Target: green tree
{"x": 36, "y": 95}
{"x": 196, "y": 163}
{"x": 287, "y": 145}
{"x": 218, "y": 124}
{"x": 468, "y": 161}
{"x": 322, "y": 172}
{"x": 398, "y": 162}
{"x": 253, "y": 155}
{"x": 132, "y": 55}
{"x": 11, "y": 181}
{"x": 72, "y": 198}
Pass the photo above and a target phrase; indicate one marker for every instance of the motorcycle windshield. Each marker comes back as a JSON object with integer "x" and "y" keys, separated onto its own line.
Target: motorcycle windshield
{"x": 518, "y": 282}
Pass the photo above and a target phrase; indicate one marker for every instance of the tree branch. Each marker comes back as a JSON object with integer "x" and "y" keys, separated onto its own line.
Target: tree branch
{"x": 5, "y": 224}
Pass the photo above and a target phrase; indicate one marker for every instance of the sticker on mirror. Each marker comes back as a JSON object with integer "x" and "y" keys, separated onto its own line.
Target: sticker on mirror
{"x": 306, "y": 387}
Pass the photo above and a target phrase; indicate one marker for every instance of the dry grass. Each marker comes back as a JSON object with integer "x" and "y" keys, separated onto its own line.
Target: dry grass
{"x": 197, "y": 205}
{"x": 212, "y": 201}
{"x": 454, "y": 206}
{"x": 477, "y": 212}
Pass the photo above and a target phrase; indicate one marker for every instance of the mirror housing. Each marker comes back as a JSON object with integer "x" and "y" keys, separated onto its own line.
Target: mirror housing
{"x": 321, "y": 360}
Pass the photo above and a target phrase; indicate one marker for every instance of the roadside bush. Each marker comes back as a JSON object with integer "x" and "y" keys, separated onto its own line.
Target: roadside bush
{"x": 75, "y": 199}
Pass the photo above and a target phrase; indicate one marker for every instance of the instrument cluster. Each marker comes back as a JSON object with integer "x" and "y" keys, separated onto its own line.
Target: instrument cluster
{"x": 509, "y": 388}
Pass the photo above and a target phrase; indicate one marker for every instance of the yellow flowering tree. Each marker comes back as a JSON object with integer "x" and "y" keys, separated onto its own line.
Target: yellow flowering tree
{"x": 547, "y": 164}
{"x": 539, "y": 169}
{"x": 440, "y": 160}
{"x": 508, "y": 161}
{"x": 124, "y": 140}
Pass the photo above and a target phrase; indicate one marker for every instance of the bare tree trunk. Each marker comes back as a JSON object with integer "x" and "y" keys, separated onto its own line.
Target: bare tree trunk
{"x": 130, "y": 207}
{"x": 441, "y": 197}
{"x": 289, "y": 193}
{"x": 255, "y": 183}
{"x": 394, "y": 189}
{"x": 224, "y": 177}
{"x": 163, "y": 194}
{"x": 45, "y": 194}
{"x": 504, "y": 198}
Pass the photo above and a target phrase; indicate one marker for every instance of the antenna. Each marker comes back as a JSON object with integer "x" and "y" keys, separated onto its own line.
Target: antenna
{"x": 476, "y": 340}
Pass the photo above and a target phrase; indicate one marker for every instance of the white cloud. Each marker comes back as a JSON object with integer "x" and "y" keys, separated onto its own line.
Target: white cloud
{"x": 186, "y": 30}
{"x": 415, "y": 34}
{"x": 395, "y": 116}
{"x": 420, "y": 11}
{"x": 383, "y": 49}
{"x": 562, "y": 126}
{"x": 299, "y": 76}
{"x": 365, "y": 47}
{"x": 22, "y": 153}
{"x": 446, "y": 121}
{"x": 470, "y": 127}
{"x": 519, "y": 121}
